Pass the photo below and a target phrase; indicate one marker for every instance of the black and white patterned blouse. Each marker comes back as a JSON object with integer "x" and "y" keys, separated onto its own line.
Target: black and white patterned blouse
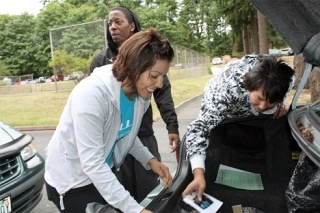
{"x": 224, "y": 97}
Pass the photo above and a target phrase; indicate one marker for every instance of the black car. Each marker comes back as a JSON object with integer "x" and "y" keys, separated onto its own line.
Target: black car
{"x": 21, "y": 171}
{"x": 298, "y": 22}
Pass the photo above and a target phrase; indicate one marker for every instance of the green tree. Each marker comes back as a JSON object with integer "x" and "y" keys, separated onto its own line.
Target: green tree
{"x": 217, "y": 40}
{"x": 63, "y": 62}
{"x": 237, "y": 16}
{"x": 57, "y": 15}
{"x": 4, "y": 71}
{"x": 188, "y": 25}
{"x": 202, "y": 28}
{"x": 18, "y": 46}
{"x": 212, "y": 27}
{"x": 53, "y": 15}
{"x": 275, "y": 40}
{"x": 157, "y": 17}
{"x": 263, "y": 34}
{"x": 83, "y": 40}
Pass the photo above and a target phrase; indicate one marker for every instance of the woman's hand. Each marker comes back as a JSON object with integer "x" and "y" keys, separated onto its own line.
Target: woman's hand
{"x": 281, "y": 111}
{"x": 197, "y": 185}
{"x": 162, "y": 170}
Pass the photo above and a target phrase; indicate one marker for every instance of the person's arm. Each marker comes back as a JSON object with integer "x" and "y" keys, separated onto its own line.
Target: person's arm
{"x": 89, "y": 128}
{"x": 148, "y": 161}
{"x": 214, "y": 108}
{"x": 161, "y": 170}
{"x": 197, "y": 139}
{"x": 221, "y": 99}
{"x": 163, "y": 99}
{"x": 98, "y": 60}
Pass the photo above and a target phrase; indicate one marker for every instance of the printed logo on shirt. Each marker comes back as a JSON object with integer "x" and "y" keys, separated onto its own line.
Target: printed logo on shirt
{"x": 124, "y": 129}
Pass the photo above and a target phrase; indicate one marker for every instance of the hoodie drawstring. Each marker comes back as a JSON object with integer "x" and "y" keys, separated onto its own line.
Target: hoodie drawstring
{"x": 61, "y": 202}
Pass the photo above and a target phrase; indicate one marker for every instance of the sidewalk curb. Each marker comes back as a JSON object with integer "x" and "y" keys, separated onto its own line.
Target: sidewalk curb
{"x": 179, "y": 106}
{"x": 53, "y": 127}
{"x": 35, "y": 128}
{"x": 186, "y": 101}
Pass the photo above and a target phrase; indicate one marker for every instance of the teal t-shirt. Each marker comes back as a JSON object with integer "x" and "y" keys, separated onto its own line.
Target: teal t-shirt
{"x": 127, "y": 112}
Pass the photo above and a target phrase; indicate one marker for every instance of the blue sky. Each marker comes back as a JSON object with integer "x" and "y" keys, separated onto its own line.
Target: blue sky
{"x": 16, "y": 7}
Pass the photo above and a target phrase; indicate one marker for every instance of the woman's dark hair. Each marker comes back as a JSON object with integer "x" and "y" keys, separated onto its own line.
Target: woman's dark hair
{"x": 272, "y": 75}
{"x": 139, "y": 53}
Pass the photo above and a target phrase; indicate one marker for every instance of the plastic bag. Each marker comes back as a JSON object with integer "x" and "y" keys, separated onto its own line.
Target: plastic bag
{"x": 303, "y": 192}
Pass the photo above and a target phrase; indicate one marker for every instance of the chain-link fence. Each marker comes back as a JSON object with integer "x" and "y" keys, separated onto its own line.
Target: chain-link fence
{"x": 188, "y": 64}
{"x": 15, "y": 80}
{"x": 15, "y": 84}
{"x": 79, "y": 41}
{"x": 74, "y": 46}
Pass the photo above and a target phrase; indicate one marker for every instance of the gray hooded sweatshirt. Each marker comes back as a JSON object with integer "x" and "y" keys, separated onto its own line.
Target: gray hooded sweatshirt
{"x": 85, "y": 135}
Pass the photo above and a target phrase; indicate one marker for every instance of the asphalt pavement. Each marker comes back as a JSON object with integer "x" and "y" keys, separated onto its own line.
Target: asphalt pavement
{"x": 186, "y": 113}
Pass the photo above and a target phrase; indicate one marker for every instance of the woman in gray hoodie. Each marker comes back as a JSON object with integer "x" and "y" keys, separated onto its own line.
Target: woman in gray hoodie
{"x": 122, "y": 23}
{"x": 99, "y": 127}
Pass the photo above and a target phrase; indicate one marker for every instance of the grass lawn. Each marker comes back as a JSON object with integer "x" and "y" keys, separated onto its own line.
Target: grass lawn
{"x": 45, "y": 108}
{"x": 34, "y": 109}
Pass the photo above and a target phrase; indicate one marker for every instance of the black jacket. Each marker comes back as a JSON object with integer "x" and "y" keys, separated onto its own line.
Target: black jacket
{"x": 162, "y": 96}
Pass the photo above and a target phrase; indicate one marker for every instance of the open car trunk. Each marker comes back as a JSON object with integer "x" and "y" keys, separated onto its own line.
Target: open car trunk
{"x": 247, "y": 144}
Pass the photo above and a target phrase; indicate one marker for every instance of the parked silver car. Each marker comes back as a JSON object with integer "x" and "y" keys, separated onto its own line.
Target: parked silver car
{"x": 287, "y": 51}
{"x": 275, "y": 52}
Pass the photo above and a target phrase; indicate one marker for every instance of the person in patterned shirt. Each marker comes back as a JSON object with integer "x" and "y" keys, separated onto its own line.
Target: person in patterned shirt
{"x": 253, "y": 85}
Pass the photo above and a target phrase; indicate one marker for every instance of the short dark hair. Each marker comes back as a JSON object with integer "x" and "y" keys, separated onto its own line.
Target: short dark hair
{"x": 272, "y": 75}
{"x": 126, "y": 12}
{"x": 139, "y": 53}
{"x": 130, "y": 16}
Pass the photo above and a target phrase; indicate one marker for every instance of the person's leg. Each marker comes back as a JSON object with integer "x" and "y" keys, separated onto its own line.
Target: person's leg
{"x": 126, "y": 173}
{"x": 134, "y": 177}
{"x": 75, "y": 200}
{"x": 146, "y": 180}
